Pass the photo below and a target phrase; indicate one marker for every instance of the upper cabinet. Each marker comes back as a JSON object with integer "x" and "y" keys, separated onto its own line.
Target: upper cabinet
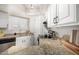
{"x": 17, "y": 10}
{"x": 63, "y": 15}
{"x": 3, "y": 15}
{"x": 3, "y": 20}
{"x": 51, "y": 14}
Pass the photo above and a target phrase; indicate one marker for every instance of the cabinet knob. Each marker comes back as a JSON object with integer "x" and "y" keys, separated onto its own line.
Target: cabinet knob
{"x": 56, "y": 17}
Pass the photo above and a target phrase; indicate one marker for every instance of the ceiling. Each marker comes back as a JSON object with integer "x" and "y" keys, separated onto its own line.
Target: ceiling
{"x": 35, "y": 9}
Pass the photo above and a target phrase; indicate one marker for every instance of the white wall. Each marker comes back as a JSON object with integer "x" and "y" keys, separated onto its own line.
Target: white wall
{"x": 36, "y": 25}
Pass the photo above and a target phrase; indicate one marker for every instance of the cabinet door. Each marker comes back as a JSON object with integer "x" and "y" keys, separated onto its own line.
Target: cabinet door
{"x": 5, "y": 46}
{"x": 65, "y": 13}
{"x": 51, "y": 15}
{"x": 3, "y": 20}
{"x": 24, "y": 41}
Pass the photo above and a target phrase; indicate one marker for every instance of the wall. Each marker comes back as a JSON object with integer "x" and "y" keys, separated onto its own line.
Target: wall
{"x": 36, "y": 25}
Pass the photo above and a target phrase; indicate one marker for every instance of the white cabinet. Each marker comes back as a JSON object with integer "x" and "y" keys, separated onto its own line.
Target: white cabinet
{"x": 3, "y": 20}
{"x": 24, "y": 41}
{"x": 66, "y": 13}
{"x": 63, "y": 14}
{"x": 51, "y": 14}
{"x": 5, "y": 46}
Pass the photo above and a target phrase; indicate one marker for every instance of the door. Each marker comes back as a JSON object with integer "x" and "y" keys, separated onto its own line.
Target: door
{"x": 51, "y": 14}
{"x": 65, "y": 13}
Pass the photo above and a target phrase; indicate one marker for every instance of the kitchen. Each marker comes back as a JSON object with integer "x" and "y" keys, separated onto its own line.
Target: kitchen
{"x": 26, "y": 25}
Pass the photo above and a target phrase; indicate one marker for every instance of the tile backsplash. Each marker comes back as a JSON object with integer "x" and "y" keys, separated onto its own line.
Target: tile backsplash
{"x": 67, "y": 31}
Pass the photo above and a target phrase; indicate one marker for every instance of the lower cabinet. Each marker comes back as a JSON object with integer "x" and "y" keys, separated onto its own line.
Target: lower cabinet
{"x": 5, "y": 46}
{"x": 6, "y": 43}
{"x": 24, "y": 41}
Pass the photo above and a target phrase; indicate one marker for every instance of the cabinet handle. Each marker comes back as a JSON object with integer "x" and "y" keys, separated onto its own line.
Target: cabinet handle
{"x": 23, "y": 41}
{"x": 55, "y": 20}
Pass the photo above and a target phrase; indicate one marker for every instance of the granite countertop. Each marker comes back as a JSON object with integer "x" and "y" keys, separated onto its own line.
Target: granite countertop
{"x": 49, "y": 47}
{"x": 14, "y": 36}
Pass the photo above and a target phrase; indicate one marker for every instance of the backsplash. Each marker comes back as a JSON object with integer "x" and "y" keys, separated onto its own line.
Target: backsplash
{"x": 65, "y": 30}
